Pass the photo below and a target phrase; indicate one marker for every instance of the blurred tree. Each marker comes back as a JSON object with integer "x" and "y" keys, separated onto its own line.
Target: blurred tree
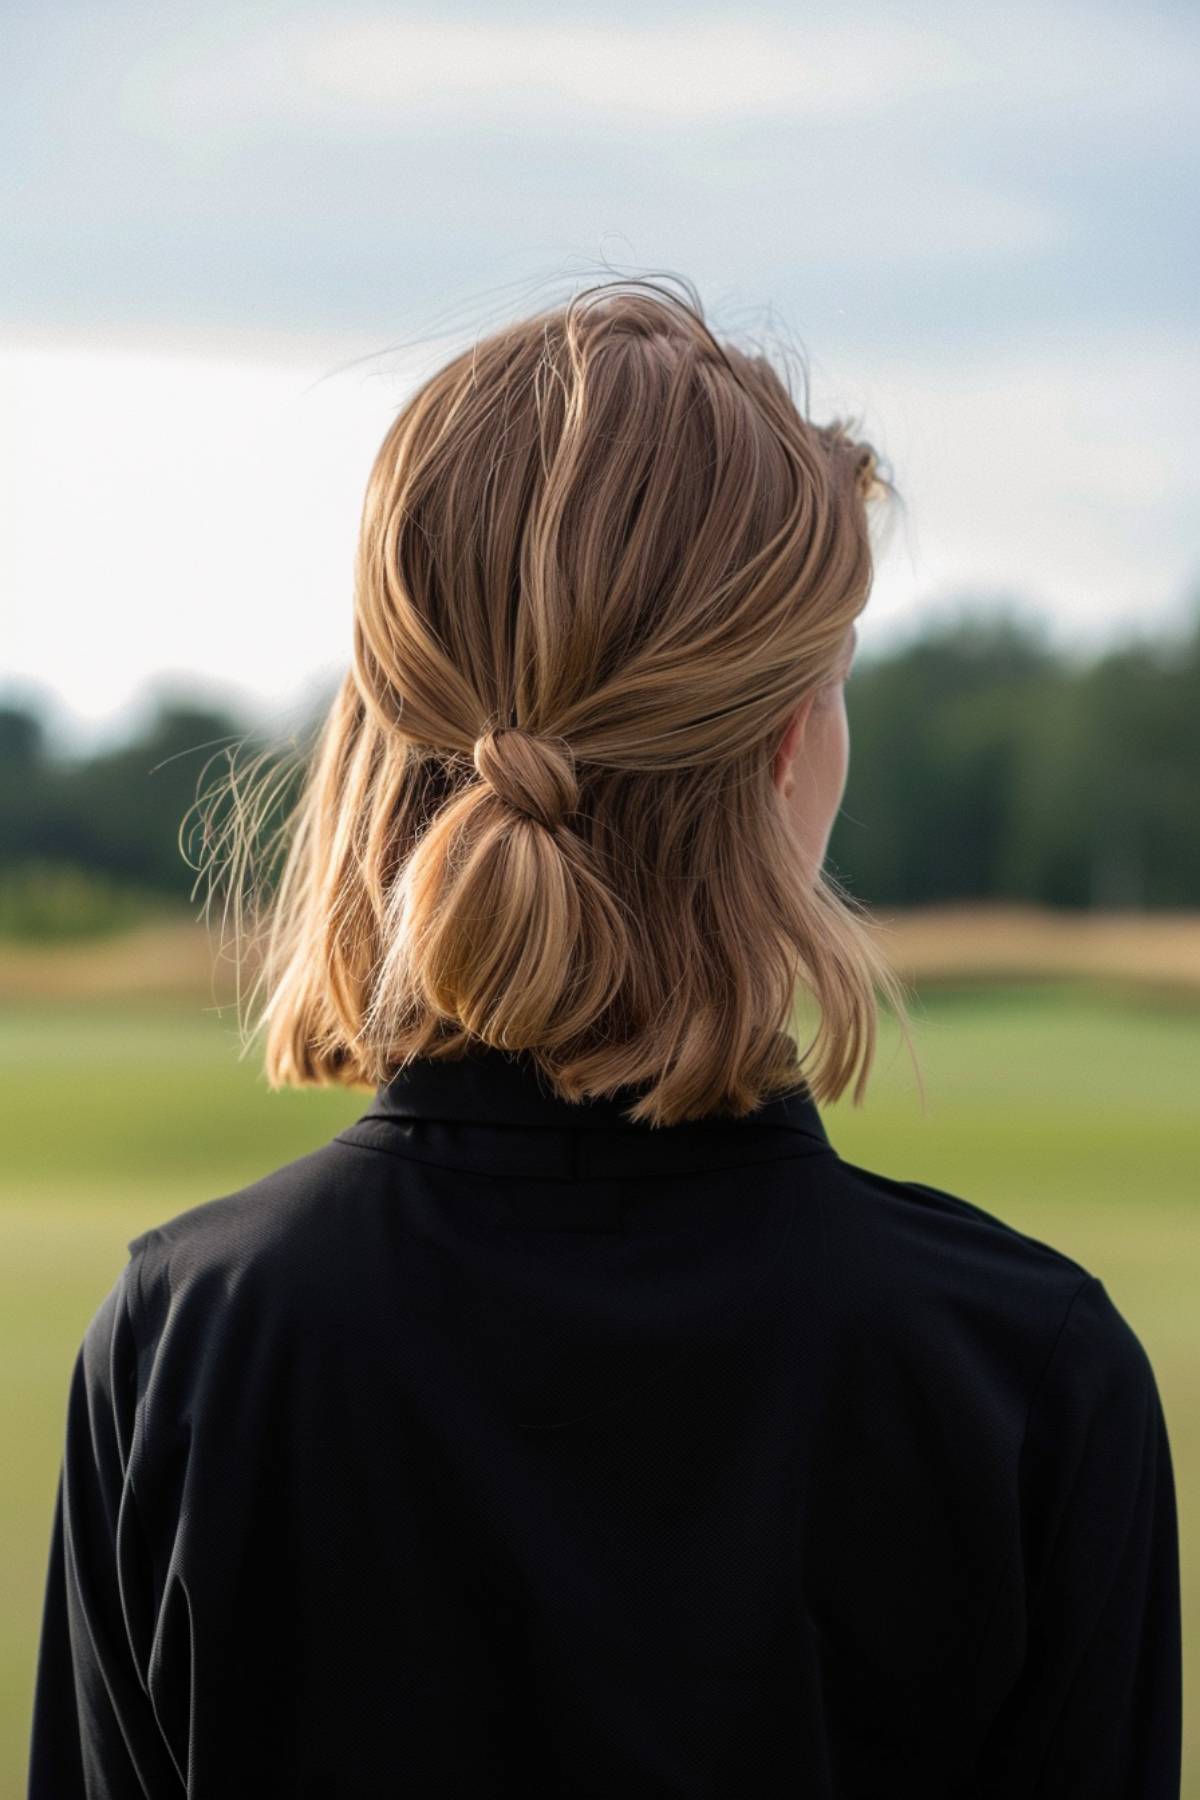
{"x": 985, "y": 764}
{"x": 935, "y": 745}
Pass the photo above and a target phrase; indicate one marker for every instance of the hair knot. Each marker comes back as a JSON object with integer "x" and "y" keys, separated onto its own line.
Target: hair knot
{"x": 532, "y": 774}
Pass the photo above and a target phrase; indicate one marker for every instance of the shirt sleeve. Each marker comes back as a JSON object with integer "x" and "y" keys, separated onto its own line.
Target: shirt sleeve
{"x": 94, "y": 1732}
{"x": 1097, "y": 1709}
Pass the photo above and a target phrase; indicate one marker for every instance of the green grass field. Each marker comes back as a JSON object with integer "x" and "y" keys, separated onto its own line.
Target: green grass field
{"x": 1071, "y": 1112}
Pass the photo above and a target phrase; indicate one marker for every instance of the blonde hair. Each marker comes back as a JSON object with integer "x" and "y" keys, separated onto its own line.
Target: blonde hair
{"x": 602, "y": 559}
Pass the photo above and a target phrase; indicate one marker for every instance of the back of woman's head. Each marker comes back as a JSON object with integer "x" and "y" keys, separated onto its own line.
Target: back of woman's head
{"x": 602, "y": 559}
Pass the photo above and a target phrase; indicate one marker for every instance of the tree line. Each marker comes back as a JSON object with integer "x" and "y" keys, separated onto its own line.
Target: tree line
{"x": 985, "y": 764}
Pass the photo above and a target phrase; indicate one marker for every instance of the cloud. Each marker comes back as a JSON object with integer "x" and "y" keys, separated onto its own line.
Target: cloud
{"x": 927, "y": 173}
{"x": 363, "y": 74}
{"x": 362, "y": 71}
{"x": 1062, "y": 473}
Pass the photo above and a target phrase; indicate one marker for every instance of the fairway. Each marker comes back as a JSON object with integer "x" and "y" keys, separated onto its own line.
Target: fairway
{"x": 1071, "y": 1112}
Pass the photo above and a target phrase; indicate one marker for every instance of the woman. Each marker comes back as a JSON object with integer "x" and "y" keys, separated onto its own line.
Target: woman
{"x": 578, "y": 1422}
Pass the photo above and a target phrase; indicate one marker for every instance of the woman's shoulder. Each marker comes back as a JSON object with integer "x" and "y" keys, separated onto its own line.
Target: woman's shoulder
{"x": 936, "y": 1273}
{"x": 916, "y": 1221}
{"x": 259, "y": 1239}
{"x": 941, "y": 1281}
{"x": 943, "y": 1322}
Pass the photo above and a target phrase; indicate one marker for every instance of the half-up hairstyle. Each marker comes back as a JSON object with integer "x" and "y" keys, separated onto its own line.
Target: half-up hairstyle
{"x": 603, "y": 557}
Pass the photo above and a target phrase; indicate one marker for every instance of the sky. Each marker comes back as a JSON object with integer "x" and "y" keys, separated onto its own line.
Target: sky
{"x": 233, "y": 239}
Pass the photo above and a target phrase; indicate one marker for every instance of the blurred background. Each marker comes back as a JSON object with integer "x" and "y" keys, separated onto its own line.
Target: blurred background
{"x": 235, "y": 237}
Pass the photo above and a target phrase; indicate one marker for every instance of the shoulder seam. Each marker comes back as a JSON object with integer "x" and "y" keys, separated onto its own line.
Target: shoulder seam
{"x": 1045, "y": 1370}
{"x": 1034, "y": 1392}
{"x": 137, "y": 1257}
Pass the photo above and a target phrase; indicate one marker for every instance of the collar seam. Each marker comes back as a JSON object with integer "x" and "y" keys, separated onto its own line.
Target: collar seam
{"x": 810, "y": 1148}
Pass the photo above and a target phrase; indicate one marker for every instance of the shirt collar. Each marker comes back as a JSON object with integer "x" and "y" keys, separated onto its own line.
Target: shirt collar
{"x": 496, "y": 1087}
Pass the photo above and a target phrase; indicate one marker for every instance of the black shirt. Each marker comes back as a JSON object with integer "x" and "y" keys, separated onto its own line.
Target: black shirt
{"x": 499, "y": 1447}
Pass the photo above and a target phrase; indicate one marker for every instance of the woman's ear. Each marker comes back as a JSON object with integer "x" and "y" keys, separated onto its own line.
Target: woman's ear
{"x": 790, "y": 743}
